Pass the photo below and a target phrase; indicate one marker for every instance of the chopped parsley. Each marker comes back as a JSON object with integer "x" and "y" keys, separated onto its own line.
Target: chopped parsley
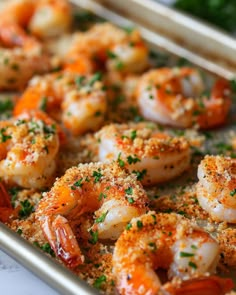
{"x": 153, "y": 246}
{"x": 46, "y": 248}
{"x": 130, "y": 200}
{"x": 6, "y": 105}
{"x": 99, "y": 281}
{"x": 19, "y": 231}
{"x": 192, "y": 264}
{"x": 186, "y": 254}
{"x": 26, "y": 209}
{"x": 13, "y": 191}
{"x": 97, "y": 175}
{"x": 129, "y": 191}
{"x": 133, "y": 159}
{"x": 76, "y": 184}
{"x": 154, "y": 218}
{"x": 139, "y": 224}
{"x": 43, "y": 104}
{"x": 194, "y": 247}
{"x": 101, "y": 218}
{"x": 119, "y": 65}
{"x": 140, "y": 174}
{"x": 4, "y": 137}
{"x": 120, "y": 161}
{"x": 96, "y": 77}
{"x": 128, "y": 226}
{"x": 233, "y": 192}
{"x": 223, "y": 147}
{"x": 94, "y": 237}
{"x": 128, "y": 30}
{"x": 133, "y": 134}
{"x": 111, "y": 54}
{"x": 79, "y": 80}
{"x": 101, "y": 196}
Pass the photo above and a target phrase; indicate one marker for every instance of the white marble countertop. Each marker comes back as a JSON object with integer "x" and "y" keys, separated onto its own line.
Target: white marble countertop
{"x": 14, "y": 279}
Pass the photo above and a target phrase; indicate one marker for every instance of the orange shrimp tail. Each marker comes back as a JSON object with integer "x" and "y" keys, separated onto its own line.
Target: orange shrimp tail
{"x": 62, "y": 240}
{"x": 5, "y": 197}
{"x": 6, "y": 209}
{"x": 30, "y": 100}
{"x": 12, "y": 35}
{"x": 217, "y": 106}
{"x": 81, "y": 65}
{"x": 212, "y": 285}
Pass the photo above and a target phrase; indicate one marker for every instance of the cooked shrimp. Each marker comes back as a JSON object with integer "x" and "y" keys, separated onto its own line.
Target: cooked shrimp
{"x": 204, "y": 285}
{"x": 105, "y": 189}
{"x": 153, "y": 156}
{"x": 216, "y": 189}
{"x": 80, "y": 99}
{"x": 84, "y": 108}
{"x": 166, "y": 241}
{"x": 28, "y": 148}
{"x": 51, "y": 18}
{"x": 175, "y": 97}
{"x": 5, "y": 204}
{"x": 19, "y": 64}
{"x": 120, "y": 50}
{"x": 43, "y": 18}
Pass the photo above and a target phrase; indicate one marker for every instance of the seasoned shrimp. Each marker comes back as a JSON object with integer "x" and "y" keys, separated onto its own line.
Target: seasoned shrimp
{"x": 43, "y": 18}
{"x": 105, "y": 189}
{"x": 204, "y": 285}
{"x": 19, "y": 64}
{"x": 216, "y": 189}
{"x": 80, "y": 99}
{"x": 28, "y": 147}
{"x": 120, "y": 50}
{"x": 175, "y": 97}
{"x": 162, "y": 240}
{"x": 51, "y": 18}
{"x": 5, "y": 204}
{"x": 153, "y": 156}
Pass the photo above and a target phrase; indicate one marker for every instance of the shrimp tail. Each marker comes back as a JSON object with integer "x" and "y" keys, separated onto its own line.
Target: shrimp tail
{"x": 212, "y": 285}
{"x": 6, "y": 209}
{"x": 63, "y": 241}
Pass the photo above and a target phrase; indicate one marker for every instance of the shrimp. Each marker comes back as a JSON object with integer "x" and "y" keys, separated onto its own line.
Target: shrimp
{"x": 153, "y": 156}
{"x": 80, "y": 100}
{"x": 204, "y": 285}
{"x": 43, "y": 18}
{"x": 5, "y": 204}
{"x": 162, "y": 240}
{"x": 175, "y": 97}
{"x": 119, "y": 50}
{"x": 51, "y": 18}
{"x": 216, "y": 189}
{"x": 19, "y": 64}
{"x": 105, "y": 189}
{"x": 28, "y": 147}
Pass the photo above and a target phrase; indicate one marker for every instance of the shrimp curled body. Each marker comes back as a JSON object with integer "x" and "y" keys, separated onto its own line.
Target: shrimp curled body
{"x": 105, "y": 189}
{"x": 216, "y": 188}
{"x": 118, "y": 50}
{"x": 162, "y": 240}
{"x": 175, "y": 97}
{"x": 153, "y": 156}
{"x": 80, "y": 100}
{"x": 28, "y": 147}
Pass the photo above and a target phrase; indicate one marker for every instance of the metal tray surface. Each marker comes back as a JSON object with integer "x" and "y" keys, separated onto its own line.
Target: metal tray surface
{"x": 161, "y": 27}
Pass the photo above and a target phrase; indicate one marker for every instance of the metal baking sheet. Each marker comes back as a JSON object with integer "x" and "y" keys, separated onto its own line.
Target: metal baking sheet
{"x": 161, "y": 27}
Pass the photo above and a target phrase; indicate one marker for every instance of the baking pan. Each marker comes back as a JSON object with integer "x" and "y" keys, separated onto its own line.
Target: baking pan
{"x": 203, "y": 45}
{"x": 163, "y": 28}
